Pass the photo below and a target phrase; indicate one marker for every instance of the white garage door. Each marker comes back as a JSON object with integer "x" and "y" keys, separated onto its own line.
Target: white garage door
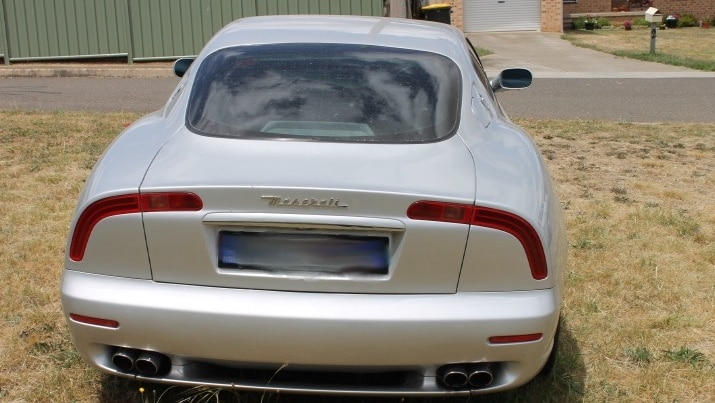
{"x": 502, "y": 15}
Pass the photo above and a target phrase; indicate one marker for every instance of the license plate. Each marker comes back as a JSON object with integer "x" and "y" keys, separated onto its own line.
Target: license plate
{"x": 314, "y": 253}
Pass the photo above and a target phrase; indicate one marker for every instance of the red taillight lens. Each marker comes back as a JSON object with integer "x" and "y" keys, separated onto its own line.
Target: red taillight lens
{"x": 94, "y": 321}
{"x": 438, "y": 211}
{"x": 489, "y": 218}
{"x": 518, "y": 338}
{"x": 127, "y": 204}
{"x": 151, "y": 202}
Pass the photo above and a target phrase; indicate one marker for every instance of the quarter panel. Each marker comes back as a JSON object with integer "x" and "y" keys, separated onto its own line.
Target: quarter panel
{"x": 494, "y": 261}
{"x": 117, "y": 245}
{"x": 510, "y": 176}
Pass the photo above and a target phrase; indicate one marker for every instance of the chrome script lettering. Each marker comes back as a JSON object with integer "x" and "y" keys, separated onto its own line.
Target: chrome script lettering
{"x": 278, "y": 201}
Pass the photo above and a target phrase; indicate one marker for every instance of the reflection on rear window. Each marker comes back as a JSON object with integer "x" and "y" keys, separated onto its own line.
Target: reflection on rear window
{"x": 328, "y": 92}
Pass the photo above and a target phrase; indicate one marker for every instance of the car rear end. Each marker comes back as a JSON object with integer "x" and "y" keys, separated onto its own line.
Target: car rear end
{"x": 314, "y": 224}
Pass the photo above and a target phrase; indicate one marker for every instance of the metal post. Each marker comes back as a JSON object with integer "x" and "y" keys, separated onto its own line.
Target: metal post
{"x": 129, "y": 34}
{"x": 653, "y": 34}
{"x": 4, "y": 24}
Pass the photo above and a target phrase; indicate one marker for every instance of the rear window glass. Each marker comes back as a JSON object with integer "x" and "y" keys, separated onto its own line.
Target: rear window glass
{"x": 326, "y": 92}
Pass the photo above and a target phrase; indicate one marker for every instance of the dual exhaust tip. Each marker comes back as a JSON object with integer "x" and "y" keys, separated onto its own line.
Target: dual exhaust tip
{"x": 148, "y": 363}
{"x": 458, "y": 376}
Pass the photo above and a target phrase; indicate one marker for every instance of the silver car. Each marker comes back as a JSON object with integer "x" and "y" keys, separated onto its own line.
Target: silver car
{"x": 326, "y": 204}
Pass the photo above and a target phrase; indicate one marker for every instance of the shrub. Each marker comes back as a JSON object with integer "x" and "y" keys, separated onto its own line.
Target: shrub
{"x": 579, "y": 23}
{"x": 687, "y": 20}
{"x": 641, "y": 22}
{"x": 627, "y": 25}
{"x": 603, "y": 22}
{"x": 712, "y": 21}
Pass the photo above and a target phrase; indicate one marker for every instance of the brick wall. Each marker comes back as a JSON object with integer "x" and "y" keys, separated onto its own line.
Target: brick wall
{"x": 701, "y": 9}
{"x": 457, "y": 12}
{"x": 587, "y": 6}
{"x": 552, "y": 15}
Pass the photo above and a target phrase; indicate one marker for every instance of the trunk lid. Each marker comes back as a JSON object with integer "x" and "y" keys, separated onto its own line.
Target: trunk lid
{"x": 308, "y": 216}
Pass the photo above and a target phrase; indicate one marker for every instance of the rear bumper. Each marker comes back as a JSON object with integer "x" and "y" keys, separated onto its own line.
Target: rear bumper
{"x": 204, "y": 328}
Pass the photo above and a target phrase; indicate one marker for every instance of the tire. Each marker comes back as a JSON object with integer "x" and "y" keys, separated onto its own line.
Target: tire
{"x": 551, "y": 361}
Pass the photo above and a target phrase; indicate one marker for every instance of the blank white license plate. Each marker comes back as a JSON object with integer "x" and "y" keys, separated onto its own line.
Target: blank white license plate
{"x": 289, "y": 252}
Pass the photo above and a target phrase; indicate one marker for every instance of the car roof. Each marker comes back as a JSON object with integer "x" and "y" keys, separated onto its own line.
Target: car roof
{"x": 392, "y": 32}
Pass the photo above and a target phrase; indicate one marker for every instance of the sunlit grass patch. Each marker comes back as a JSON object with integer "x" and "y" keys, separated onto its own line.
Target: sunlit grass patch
{"x": 639, "y": 205}
{"x": 639, "y": 355}
{"x": 686, "y": 355}
{"x": 688, "y": 47}
{"x": 44, "y": 159}
{"x": 639, "y": 300}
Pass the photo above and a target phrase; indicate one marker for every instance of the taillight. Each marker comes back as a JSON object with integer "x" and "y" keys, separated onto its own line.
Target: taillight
{"x": 152, "y": 202}
{"x": 489, "y": 218}
{"x": 438, "y": 211}
{"x": 127, "y": 204}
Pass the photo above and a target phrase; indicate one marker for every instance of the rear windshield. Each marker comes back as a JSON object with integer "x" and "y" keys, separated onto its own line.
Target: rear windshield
{"x": 326, "y": 92}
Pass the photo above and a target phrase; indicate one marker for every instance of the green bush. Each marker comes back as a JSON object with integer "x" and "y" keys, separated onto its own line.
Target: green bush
{"x": 603, "y": 22}
{"x": 640, "y": 21}
{"x": 579, "y": 23}
{"x": 712, "y": 21}
{"x": 687, "y": 20}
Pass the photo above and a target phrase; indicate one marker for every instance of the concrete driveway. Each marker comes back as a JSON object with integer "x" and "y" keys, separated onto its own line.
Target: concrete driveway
{"x": 549, "y": 56}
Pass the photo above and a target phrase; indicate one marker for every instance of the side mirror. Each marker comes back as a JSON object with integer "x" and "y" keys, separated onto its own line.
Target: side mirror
{"x": 511, "y": 79}
{"x": 181, "y": 66}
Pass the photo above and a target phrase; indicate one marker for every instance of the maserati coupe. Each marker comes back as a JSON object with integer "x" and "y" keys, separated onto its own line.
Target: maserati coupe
{"x": 325, "y": 205}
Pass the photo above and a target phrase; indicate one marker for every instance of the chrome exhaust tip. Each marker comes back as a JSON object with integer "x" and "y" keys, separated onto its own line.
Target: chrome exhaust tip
{"x": 124, "y": 359}
{"x": 151, "y": 363}
{"x": 454, "y": 376}
{"x": 481, "y": 376}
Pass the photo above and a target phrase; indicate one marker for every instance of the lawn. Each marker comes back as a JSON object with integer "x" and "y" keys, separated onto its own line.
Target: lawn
{"x": 640, "y": 288}
{"x": 689, "y": 47}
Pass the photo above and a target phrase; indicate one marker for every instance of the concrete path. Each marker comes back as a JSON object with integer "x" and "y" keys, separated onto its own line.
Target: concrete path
{"x": 545, "y": 54}
{"x": 120, "y": 69}
{"x": 549, "y": 56}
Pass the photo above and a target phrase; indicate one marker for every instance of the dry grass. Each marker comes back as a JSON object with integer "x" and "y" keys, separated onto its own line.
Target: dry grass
{"x": 640, "y": 289}
{"x": 694, "y": 47}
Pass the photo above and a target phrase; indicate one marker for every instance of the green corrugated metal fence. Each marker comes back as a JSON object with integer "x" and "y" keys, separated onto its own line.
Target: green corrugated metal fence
{"x": 171, "y": 28}
{"x": 341, "y": 7}
{"x": 138, "y": 29}
{"x": 56, "y": 29}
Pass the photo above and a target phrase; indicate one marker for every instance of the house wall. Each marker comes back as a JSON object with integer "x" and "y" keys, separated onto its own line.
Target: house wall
{"x": 457, "y": 11}
{"x": 551, "y": 14}
{"x": 587, "y": 6}
{"x": 701, "y": 9}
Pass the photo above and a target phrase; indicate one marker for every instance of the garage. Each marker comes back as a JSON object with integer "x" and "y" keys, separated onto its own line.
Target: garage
{"x": 502, "y": 15}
